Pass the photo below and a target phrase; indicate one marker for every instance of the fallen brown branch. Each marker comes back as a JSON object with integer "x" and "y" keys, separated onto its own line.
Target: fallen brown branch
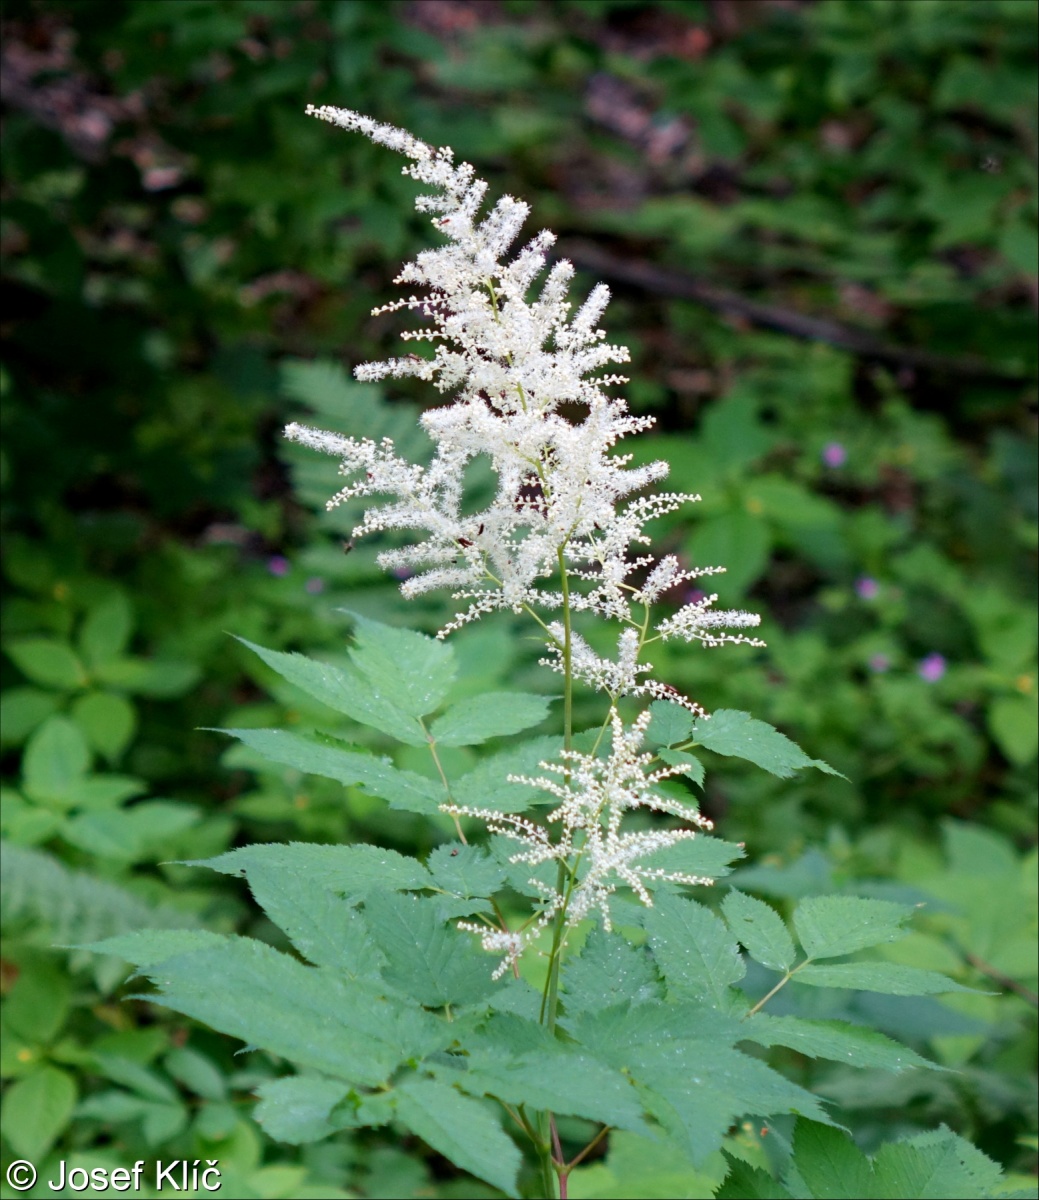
{"x": 666, "y": 281}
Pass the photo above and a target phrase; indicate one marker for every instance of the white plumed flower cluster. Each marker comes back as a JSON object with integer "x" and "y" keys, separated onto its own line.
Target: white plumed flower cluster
{"x": 594, "y": 795}
{"x": 561, "y": 510}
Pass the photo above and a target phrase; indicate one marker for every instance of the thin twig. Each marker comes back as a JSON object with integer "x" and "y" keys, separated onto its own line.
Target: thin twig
{"x": 669, "y": 282}
{"x": 1005, "y": 981}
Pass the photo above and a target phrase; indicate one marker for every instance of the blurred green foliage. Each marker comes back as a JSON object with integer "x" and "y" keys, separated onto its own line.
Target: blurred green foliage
{"x": 819, "y": 220}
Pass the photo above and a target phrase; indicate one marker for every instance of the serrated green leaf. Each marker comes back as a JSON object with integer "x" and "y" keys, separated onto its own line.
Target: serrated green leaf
{"x": 461, "y": 1129}
{"x": 560, "y": 1081}
{"x": 832, "y": 926}
{"x": 934, "y": 1166}
{"x": 324, "y": 928}
{"x": 429, "y": 959}
{"x": 745, "y": 1182}
{"x": 739, "y": 735}
{"x": 838, "y": 1041}
{"x": 891, "y": 978}
{"x": 697, "y": 1086}
{"x": 412, "y": 671}
{"x": 830, "y": 1163}
{"x": 350, "y": 871}
{"x": 670, "y": 723}
{"x": 310, "y": 1015}
{"x": 345, "y": 690}
{"x": 760, "y": 930}
{"x": 143, "y": 947}
{"x": 405, "y": 791}
{"x": 299, "y": 1109}
{"x": 609, "y": 970}
{"x": 465, "y": 871}
{"x": 48, "y": 662}
{"x": 494, "y": 714}
{"x": 693, "y": 949}
{"x": 36, "y": 1109}
{"x": 487, "y": 784}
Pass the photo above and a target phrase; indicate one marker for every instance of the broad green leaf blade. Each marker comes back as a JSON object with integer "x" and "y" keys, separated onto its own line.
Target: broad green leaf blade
{"x": 465, "y": 871}
{"x": 670, "y": 723}
{"x": 108, "y": 720}
{"x": 197, "y": 1072}
{"x": 739, "y": 735}
{"x": 609, "y": 970}
{"x": 350, "y": 871}
{"x": 36, "y": 1109}
{"x": 760, "y": 930}
{"x": 317, "y": 755}
{"x": 147, "y": 946}
{"x": 934, "y": 1166}
{"x": 830, "y": 1163}
{"x": 695, "y": 952}
{"x": 558, "y": 1081}
{"x": 55, "y": 761}
{"x": 105, "y": 632}
{"x": 299, "y": 1109}
{"x": 838, "y": 1041}
{"x": 48, "y": 662}
{"x": 494, "y": 714}
{"x": 461, "y": 1129}
{"x": 326, "y": 929}
{"x": 487, "y": 785}
{"x": 891, "y": 978}
{"x": 832, "y": 926}
{"x": 427, "y": 958}
{"x": 346, "y": 690}
{"x": 310, "y": 1015}
{"x": 410, "y": 670}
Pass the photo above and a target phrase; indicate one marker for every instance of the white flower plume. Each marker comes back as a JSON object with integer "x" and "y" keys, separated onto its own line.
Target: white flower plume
{"x": 512, "y": 362}
{"x": 594, "y": 795}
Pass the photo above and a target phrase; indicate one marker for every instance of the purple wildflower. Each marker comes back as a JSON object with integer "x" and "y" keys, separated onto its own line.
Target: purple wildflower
{"x": 931, "y": 668}
{"x": 867, "y": 588}
{"x": 834, "y": 454}
{"x": 278, "y": 565}
{"x": 879, "y": 663}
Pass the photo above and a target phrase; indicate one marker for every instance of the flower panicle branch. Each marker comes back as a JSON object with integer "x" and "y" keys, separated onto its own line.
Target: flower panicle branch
{"x": 594, "y": 795}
